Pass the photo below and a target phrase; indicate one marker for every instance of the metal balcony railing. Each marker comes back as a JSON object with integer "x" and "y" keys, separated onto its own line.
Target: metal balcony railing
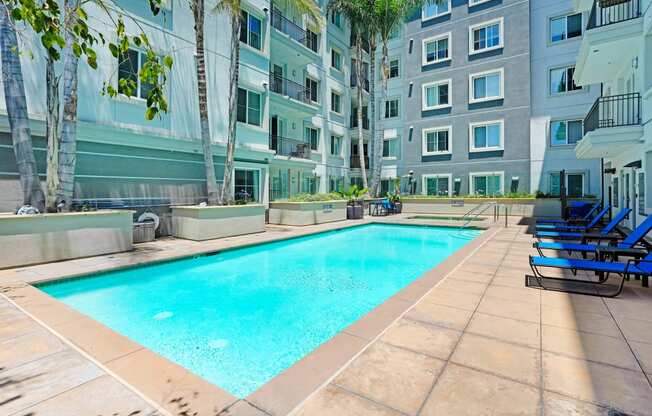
{"x": 607, "y": 12}
{"x": 292, "y": 89}
{"x": 355, "y": 162}
{"x": 614, "y": 111}
{"x": 354, "y": 82}
{"x": 294, "y": 31}
{"x": 354, "y": 122}
{"x": 289, "y": 147}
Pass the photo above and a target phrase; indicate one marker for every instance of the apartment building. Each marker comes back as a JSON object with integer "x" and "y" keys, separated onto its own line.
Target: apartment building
{"x": 615, "y": 54}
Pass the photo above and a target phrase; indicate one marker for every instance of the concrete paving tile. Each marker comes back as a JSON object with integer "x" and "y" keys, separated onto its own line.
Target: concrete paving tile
{"x": 516, "y": 282}
{"x": 242, "y": 408}
{"x": 461, "y": 300}
{"x": 609, "y": 386}
{"x": 525, "y": 311}
{"x": 558, "y": 405}
{"x": 498, "y": 357}
{"x": 332, "y": 400}
{"x": 573, "y": 302}
{"x": 463, "y": 286}
{"x": 42, "y": 379}
{"x": 505, "y": 329}
{"x": 643, "y": 352}
{"x": 462, "y": 391}
{"x": 16, "y": 326}
{"x": 635, "y": 308}
{"x": 569, "y": 318}
{"x": 28, "y": 347}
{"x": 374, "y": 322}
{"x": 445, "y": 316}
{"x": 101, "y": 396}
{"x": 636, "y": 330}
{"x": 424, "y": 338}
{"x": 518, "y": 294}
{"x": 588, "y": 346}
{"x": 478, "y": 268}
{"x": 398, "y": 378}
{"x": 470, "y": 277}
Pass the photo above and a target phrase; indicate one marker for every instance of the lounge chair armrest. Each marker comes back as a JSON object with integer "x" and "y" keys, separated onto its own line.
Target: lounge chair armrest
{"x": 599, "y": 236}
{"x": 636, "y": 262}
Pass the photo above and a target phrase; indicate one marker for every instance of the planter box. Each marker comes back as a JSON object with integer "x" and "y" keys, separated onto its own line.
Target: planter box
{"x": 306, "y": 213}
{"x": 32, "y": 239}
{"x": 206, "y": 223}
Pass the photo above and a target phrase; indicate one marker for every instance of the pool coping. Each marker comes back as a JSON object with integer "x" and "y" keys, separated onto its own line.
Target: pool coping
{"x": 174, "y": 388}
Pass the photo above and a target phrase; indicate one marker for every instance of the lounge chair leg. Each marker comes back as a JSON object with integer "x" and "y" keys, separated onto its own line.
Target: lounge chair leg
{"x": 645, "y": 282}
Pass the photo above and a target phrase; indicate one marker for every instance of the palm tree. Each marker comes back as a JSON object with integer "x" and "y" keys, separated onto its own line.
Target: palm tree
{"x": 234, "y": 9}
{"x": 356, "y": 12}
{"x": 16, "y": 101}
{"x": 52, "y": 134}
{"x": 212, "y": 191}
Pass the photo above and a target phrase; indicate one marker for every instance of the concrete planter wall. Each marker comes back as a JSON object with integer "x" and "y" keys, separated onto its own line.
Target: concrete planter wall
{"x": 528, "y": 207}
{"x": 306, "y": 213}
{"x": 32, "y": 239}
{"x": 206, "y": 223}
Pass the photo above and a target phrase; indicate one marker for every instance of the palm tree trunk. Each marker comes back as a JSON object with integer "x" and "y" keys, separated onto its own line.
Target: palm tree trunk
{"x": 68, "y": 143}
{"x": 359, "y": 79}
{"x": 16, "y": 102}
{"x": 211, "y": 182}
{"x": 52, "y": 136}
{"x": 378, "y": 142}
{"x": 225, "y": 195}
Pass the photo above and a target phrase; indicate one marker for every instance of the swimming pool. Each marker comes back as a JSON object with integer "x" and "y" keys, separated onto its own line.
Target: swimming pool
{"x": 240, "y": 317}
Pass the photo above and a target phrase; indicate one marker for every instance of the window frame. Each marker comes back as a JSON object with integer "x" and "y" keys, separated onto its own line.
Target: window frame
{"x": 336, "y": 19}
{"x": 337, "y": 52}
{"x": 426, "y": 176}
{"x": 472, "y": 126}
{"x": 425, "y": 18}
{"x": 550, "y": 142}
{"x": 398, "y": 108}
{"x": 260, "y": 109}
{"x": 436, "y": 38}
{"x": 424, "y": 87}
{"x": 485, "y": 24}
{"x": 501, "y": 174}
{"x": 139, "y": 63}
{"x": 260, "y": 179}
{"x": 565, "y": 17}
{"x": 305, "y": 82}
{"x": 305, "y": 133}
{"x": 398, "y": 68}
{"x": 478, "y": 2}
{"x": 424, "y": 140}
{"x": 339, "y": 94}
{"x": 581, "y": 173}
{"x": 566, "y": 91}
{"x": 396, "y": 156}
{"x": 260, "y": 20}
{"x": 341, "y": 142}
{"x": 475, "y": 75}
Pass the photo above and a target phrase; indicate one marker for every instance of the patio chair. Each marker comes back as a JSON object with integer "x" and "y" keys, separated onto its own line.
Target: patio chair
{"x": 585, "y": 218}
{"x": 639, "y": 267}
{"x": 635, "y": 237}
{"x": 604, "y": 232}
{"x": 386, "y": 207}
{"x": 576, "y": 227}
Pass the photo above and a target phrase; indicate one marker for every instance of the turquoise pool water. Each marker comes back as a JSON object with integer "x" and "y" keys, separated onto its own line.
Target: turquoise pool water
{"x": 240, "y": 317}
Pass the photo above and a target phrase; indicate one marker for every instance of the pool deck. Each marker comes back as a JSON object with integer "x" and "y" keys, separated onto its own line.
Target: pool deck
{"x": 465, "y": 338}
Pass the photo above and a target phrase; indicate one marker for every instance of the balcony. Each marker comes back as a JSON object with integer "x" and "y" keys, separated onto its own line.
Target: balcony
{"x": 292, "y": 34}
{"x": 608, "y": 40}
{"x": 354, "y": 123}
{"x": 354, "y": 162}
{"x": 284, "y": 146}
{"x": 612, "y": 126}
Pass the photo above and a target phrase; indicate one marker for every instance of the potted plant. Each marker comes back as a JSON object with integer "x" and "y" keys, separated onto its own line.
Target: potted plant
{"x": 354, "y": 206}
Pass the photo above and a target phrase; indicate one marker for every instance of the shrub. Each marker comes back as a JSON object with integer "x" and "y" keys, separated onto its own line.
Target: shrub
{"x": 312, "y": 197}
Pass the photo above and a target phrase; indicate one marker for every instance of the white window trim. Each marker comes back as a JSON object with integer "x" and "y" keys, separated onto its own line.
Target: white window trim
{"x": 338, "y": 155}
{"x": 339, "y": 52}
{"x": 398, "y": 108}
{"x": 341, "y": 112}
{"x": 501, "y": 96}
{"x": 474, "y": 174}
{"x": 425, "y": 19}
{"x": 397, "y": 151}
{"x": 424, "y": 144}
{"x": 424, "y": 61}
{"x": 424, "y": 104}
{"x": 580, "y": 90}
{"x": 425, "y": 177}
{"x": 472, "y": 147}
{"x": 312, "y": 127}
{"x": 477, "y": 2}
{"x": 501, "y": 40}
{"x": 567, "y": 120}
{"x": 557, "y": 16}
{"x": 308, "y": 76}
{"x": 389, "y": 61}
{"x": 260, "y": 181}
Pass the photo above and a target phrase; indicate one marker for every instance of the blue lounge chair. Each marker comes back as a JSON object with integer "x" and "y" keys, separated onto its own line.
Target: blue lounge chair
{"x": 576, "y": 227}
{"x": 581, "y": 236}
{"x": 639, "y": 267}
{"x": 634, "y": 238}
{"x": 585, "y": 218}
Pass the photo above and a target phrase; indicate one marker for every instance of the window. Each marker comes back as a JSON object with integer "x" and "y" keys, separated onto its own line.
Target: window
{"x": 336, "y": 145}
{"x": 436, "y": 49}
{"x": 434, "y": 9}
{"x": 335, "y": 184}
{"x": 561, "y": 80}
{"x": 438, "y": 185}
{"x": 250, "y": 30}
{"x": 312, "y": 89}
{"x": 249, "y": 107}
{"x": 129, "y": 65}
{"x": 312, "y": 40}
{"x": 436, "y": 141}
{"x": 312, "y": 137}
{"x": 565, "y": 27}
{"x": 394, "y": 68}
{"x": 486, "y": 36}
{"x": 486, "y": 86}
{"x": 391, "y": 108}
{"x": 357, "y": 181}
{"x": 246, "y": 185}
{"x": 486, "y": 136}
{"x": 336, "y": 19}
{"x": 436, "y": 95}
{"x": 565, "y": 132}
{"x": 476, "y": 2}
{"x": 336, "y": 59}
{"x": 574, "y": 184}
{"x": 336, "y": 102}
{"x": 490, "y": 183}
{"x": 390, "y": 147}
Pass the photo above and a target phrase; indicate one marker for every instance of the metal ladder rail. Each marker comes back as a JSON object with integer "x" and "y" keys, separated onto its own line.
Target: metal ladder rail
{"x": 472, "y": 214}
